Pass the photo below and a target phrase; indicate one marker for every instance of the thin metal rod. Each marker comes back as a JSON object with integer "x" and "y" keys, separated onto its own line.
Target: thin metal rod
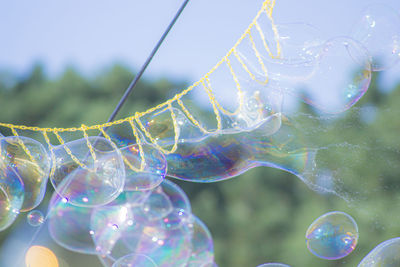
{"x": 146, "y": 63}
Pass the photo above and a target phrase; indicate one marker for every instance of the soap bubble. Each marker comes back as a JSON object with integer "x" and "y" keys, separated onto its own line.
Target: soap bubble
{"x": 35, "y": 218}
{"x": 385, "y": 254}
{"x": 166, "y": 240}
{"x": 379, "y": 31}
{"x": 332, "y": 236}
{"x": 273, "y": 265}
{"x": 154, "y": 167}
{"x": 11, "y": 195}
{"x": 300, "y": 50}
{"x": 202, "y": 244}
{"x": 98, "y": 182}
{"x": 134, "y": 259}
{"x": 157, "y": 205}
{"x": 69, "y": 225}
{"x": 30, "y": 160}
{"x": 342, "y": 76}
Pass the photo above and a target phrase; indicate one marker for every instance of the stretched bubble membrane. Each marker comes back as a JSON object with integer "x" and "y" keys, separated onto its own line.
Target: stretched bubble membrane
{"x": 273, "y": 265}
{"x": 385, "y": 254}
{"x": 35, "y": 218}
{"x": 332, "y": 236}
{"x": 219, "y": 157}
{"x": 202, "y": 245}
{"x": 379, "y": 31}
{"x": 88, "y": 172}
{"x": 11, "y": 195}
{"x": 166, "y": 240}
{"x": 143, "y": 173}
{"x": 134, "y": 259}
{"x": 30, "y": 161}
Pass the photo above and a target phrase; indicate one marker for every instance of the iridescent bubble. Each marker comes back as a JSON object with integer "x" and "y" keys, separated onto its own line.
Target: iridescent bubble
{"x": 273, "y": 264}
{"x": 134, "y": 259}
{"x": 202, "y": 244}
{"x": 219, "y": 157}
{"x": 69, "y": 225}
{"x": 35, "y": 218}
{"x": 379, "y": 31}
{"x": 144, "y": 175}
{"x": 88, "y": 177}
{"x": 342, "y": 76}
{"x": 166, "y": 240}
{"x": 30, "y": 161}
{"x": 385, "y": 254}
{"x": 332, "y": 236}
{"x": 38, "y": 256}
{"x": 157, "y": 205}
{"x": 11, "y": 195}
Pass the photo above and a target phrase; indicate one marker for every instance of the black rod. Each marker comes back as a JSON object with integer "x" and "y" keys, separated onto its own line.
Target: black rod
{"x": 146, "y": 63}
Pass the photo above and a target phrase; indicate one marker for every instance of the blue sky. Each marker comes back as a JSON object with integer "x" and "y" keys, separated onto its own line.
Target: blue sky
{"x": 93, "y": 33}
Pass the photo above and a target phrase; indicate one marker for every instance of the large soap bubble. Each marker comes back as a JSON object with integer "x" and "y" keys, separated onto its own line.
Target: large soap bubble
{"x": 379, "y": 31}
{"x": 332, "y": 236}
{"x": 385, "y": 254}
{"x": 202, "y": 245}
{"x": 273, "y": 264}
{"x": 11, "y": 195}
{"x": 88, "y": 177}
{"x": 125, "y": 229}
{"x": 341, "y": 78}
{"x": 30, "y": 160}
{"x": 134, "y": 259}
{"x": 143, "y": 173}
{"x": 69, "y": 225}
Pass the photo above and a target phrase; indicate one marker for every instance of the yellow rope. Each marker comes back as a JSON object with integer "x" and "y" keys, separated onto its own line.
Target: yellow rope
{"x": 204, "y": 82}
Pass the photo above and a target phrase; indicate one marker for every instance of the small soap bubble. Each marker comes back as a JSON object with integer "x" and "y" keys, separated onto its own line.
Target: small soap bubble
{"x": 35, "y": 218}
{"x": 332, "y": 236}
{"x": 379, "y": 31}
{"x": 385, "y": 254}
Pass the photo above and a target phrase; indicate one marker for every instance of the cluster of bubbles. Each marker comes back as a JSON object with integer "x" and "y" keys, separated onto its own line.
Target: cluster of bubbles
{"x": 113, "y": 201}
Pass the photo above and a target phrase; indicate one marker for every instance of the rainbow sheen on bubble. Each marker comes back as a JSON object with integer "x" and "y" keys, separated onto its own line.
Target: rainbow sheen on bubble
{"x": 11, "y": 195}
{"x": 99, "y": 178}
{"x": 332, "y": 236}
{"x": 378, "y": 30}
{"x": 385, "y": 254}
{"x": 30, "y": 161}
{"x": 134, "y": 259}
{"x": 35, "y": 218}
{"x": 220, "y": 157}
